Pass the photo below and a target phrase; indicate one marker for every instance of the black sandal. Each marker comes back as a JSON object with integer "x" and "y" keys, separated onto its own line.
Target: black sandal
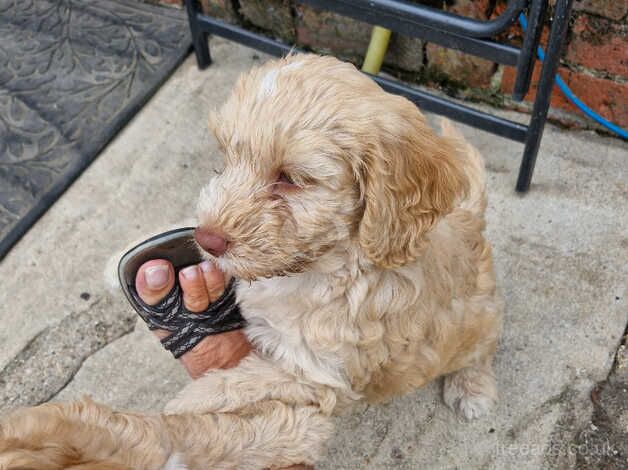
{"x": 187, "y": 328}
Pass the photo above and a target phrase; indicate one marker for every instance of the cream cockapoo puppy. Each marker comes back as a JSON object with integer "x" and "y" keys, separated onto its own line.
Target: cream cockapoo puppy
{"x": 356, "y": 233}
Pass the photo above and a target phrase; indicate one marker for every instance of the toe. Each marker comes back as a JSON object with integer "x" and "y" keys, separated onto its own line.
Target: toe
{"x": 195, "y": 296}
{"x": 214, "y": 280}
{"x": 154, "y": 280}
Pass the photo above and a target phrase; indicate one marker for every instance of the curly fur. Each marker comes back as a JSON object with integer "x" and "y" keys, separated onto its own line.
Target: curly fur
{"x": 366, "y": 278}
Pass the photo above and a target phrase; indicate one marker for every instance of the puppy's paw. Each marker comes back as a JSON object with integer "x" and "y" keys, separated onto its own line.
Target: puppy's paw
{"x": 470, "y": 392}
{"x": 471, "y": 407}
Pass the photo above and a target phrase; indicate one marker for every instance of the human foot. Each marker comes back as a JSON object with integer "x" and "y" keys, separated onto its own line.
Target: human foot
{"x": 201, "y": 284}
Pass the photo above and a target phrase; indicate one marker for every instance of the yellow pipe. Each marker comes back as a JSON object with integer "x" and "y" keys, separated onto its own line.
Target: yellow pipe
{"x": 377, "y": 50}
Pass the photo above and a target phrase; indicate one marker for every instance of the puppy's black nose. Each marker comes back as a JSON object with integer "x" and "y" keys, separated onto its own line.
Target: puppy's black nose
{"x": 210, "y": 241}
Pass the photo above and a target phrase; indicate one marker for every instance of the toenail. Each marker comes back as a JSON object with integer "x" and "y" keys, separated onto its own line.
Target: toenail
{"x": 206, "y": 266}
{"x": 190, "y": 273}
{"x": 157, "y": 276}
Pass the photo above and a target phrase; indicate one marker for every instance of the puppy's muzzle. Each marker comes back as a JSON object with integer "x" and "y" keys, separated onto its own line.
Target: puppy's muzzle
{"x": 211, "y": 241}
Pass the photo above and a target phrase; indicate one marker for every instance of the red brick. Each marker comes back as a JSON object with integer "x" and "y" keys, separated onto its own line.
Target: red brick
{"x": 605, "y": 97}
{"x": 514, "y": 34}
{"x": 174, "y": 3}
{"x": 405, "y": 53}
{"x": 458, "y": 66}
{"x": 599, "y": 44}
{"x": 329, "y": 32}
{"x": 272, "y": 15}
{"x": 613, "y": 9}
{"x": 222, "y": 9}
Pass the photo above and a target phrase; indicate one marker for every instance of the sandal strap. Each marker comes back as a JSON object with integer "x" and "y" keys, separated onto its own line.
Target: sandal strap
{"x": 189, "y": 328}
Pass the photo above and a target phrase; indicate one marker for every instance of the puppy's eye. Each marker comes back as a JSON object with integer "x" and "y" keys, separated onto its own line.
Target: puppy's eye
{"x": 284, "y": 178}
{"x": 284, "y": 184}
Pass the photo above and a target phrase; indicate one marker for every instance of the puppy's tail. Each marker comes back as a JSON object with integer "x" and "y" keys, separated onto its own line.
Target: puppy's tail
{"x": 473, "y": 163}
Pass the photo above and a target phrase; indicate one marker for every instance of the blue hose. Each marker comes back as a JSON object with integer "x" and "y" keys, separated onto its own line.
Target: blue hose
{"x": 573, "y": 98}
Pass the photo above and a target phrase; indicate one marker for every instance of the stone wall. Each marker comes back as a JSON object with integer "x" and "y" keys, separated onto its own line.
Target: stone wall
{"x": 594, "y": 61}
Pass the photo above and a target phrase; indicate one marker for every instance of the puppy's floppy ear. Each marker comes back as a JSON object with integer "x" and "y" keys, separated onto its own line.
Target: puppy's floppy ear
{"x": 410, "y": 178}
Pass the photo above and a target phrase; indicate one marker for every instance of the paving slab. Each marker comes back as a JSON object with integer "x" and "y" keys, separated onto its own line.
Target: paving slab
{"x": 561, "y": 255}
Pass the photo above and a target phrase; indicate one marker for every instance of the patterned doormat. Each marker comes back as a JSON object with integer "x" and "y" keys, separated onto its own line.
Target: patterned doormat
{"x": 72, "y": 73}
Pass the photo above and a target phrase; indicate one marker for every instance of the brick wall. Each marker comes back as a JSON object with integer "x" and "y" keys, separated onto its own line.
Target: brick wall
{"x": 594, "y": 61}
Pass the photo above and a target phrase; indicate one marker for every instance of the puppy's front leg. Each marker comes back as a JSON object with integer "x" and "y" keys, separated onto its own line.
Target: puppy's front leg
{"x": 88, "y": 435}
{"x": 255, "y": 379}
{"x": 268, "y": 434}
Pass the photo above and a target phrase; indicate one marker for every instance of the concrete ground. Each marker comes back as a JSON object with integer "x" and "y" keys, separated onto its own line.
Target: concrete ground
{"x": 561, "y": 255}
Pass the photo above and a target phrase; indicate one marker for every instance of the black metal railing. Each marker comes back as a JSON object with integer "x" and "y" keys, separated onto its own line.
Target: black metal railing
{"x": 446, "y": 29}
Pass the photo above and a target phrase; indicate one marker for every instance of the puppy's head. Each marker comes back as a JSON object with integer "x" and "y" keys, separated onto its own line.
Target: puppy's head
{"x": 318, "y": 156}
